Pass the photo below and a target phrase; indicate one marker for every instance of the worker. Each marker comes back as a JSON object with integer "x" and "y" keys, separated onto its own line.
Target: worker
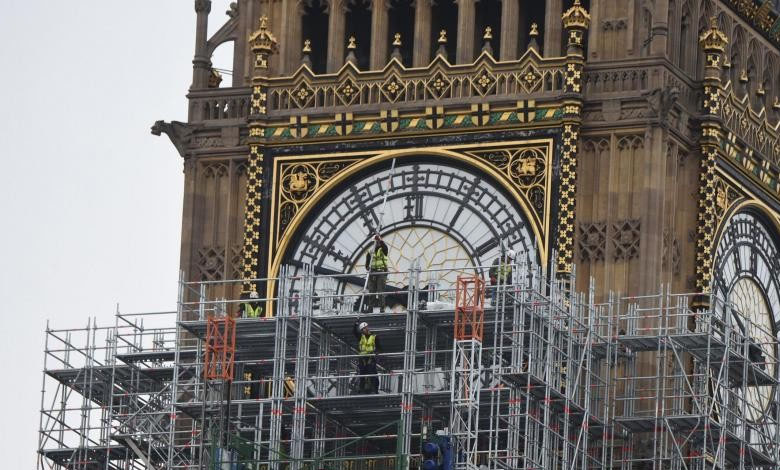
{"x": 376, "y": 265}
{"x": 500, "y": 274}
{"x": 368, "y": 348}
{"x": 250, "y": 309}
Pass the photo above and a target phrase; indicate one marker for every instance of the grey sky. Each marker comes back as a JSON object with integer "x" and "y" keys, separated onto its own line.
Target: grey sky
{"x": 91, "y": 201}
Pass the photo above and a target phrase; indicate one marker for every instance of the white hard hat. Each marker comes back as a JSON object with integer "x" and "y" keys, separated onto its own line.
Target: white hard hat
{"x": 253, "y": 295}
{"x": 510, "y": 254}
{"x": 362, "y": 325}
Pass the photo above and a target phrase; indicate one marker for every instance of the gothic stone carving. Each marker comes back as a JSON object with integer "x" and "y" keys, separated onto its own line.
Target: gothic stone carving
{"x": 592, "y": 241}
{"x": 625, "y": 239}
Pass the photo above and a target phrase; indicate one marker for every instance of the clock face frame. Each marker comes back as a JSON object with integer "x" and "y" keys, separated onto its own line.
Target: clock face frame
{"x": 447, "y": 216}
{"x": 747, "y": 267}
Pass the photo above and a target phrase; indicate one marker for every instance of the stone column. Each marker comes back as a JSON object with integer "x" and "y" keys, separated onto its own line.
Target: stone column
{"x": 263, "y": 44}
{"x": 379, "y": 19}
{"x": 465, "y": 44}
{"x": 201, "y": 62}
{"x": 552, "y": 28}
{"x": 336, "y": 19}
{"x": 714, "y": 42}
{"x": 660, "y": 28}
{"x": 422, "y": 34}
{"x": 576, "y": 21}
{"x": 291, "y": 43}
{"x": 510, "y": 28}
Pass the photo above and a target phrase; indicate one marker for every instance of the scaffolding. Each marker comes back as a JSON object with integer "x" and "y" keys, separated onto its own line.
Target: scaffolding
{"x": 552, "y": 381}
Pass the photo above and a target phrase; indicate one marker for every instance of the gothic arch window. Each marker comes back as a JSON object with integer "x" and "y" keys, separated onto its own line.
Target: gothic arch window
{"x": 444, "y": 15}
{"x": 685, "y": 50}
{"x": 358, "y": 24}
{"x": 738, "y": 64}
{"x": 770, "y": 68}
{"x": 488, "y": 15}
{"x": 752, "y": 70}
{"x": 401, "y": 21}
{"x": 314, "y": 28}
{"x": 534, "y": 13}
{"x": 222, "y": 65}
{"x": 703, "y": 26}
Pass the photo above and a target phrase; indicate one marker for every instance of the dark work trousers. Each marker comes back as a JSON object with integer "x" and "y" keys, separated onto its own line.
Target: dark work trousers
{"x": 367, "y": 368}
{"x": 377, "y": 281}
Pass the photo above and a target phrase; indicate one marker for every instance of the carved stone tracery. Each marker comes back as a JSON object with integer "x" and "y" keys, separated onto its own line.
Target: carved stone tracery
{"x": 592, "y": 240}
{"x": 625, "y": 236}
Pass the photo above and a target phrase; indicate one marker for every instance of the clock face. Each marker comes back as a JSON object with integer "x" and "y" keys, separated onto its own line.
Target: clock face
{"x": 747, "y": 271}
{"x": 445, "y": 217}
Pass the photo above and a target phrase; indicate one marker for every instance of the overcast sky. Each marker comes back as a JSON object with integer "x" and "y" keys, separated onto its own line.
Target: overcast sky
{"x": 91, "y": 201}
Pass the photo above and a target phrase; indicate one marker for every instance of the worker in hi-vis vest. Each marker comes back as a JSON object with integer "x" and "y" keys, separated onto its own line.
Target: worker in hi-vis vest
{"x": 251, "y": 308}
{"x": 368, "y": 348}
{"x": 376, "y": 265}
{"x": 500, "y": 274}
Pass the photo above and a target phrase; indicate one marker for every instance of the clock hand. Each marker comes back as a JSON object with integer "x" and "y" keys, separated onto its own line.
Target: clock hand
{"x": 378, "y": 231}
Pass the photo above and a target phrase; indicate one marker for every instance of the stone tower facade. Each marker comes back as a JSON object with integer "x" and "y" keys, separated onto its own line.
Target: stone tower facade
{"x": 628, "y": 134}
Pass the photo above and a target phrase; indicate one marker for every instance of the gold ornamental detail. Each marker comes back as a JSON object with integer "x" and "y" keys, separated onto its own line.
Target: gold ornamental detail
{"x": 252, "y": 218}
{"x": 299, "y": 182}
{"x": 527, "y": 169}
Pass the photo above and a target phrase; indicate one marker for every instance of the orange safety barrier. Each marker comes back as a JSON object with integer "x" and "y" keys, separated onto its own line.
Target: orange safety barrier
{"x": 220, "y": 348}
{"x": 469, "y": 308}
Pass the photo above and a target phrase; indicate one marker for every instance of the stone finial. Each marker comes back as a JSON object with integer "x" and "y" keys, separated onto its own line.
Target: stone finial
{"x": 351, "y": 46}
{"x": 713, "y": 39}
{"x": 263, "y": 40}
{"x": 576, "y": 17}
{"x": 743, "y": 76}
{"x": 397, "y": 48}
{"x": 306, "y": 60}
{"x": 776, "y": 104}
{"x": 442, "y": 50}
{"x": 533, "y": 34}
{"x": 487, "y": 37}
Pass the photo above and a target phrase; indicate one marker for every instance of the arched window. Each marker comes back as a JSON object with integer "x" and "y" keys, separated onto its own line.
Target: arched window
{"x": 444, "y": 16}
{"x": 534, "y": 13}
{"x": 222, "y": 65}
{"x": 685, "y": 40}
{"x": 315, "y": 29}
{"x": 488, "y": 15}
{"x": 401, "y": 21}
{"x": 766, "y": 87}
{"x": 358, "y": 24}
{"x": 703, "y": 26}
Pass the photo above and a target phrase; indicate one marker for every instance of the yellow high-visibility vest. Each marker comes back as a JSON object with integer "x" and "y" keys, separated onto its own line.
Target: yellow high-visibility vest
{"x": 252, "y": 312}
{"x": 380, "y": 261}
{"x": 367, "y": 344}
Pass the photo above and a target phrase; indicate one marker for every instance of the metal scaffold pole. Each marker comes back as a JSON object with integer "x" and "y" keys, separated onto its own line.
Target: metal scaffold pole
{"x": 467, "y": 370}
